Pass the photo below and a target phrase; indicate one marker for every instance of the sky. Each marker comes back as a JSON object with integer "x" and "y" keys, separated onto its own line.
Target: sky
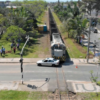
{"x": 45, "y": 0}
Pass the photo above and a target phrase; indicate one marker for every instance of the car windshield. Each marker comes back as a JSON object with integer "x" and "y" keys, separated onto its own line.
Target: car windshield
{"x": 52, "y": 59}
{"x": 55, "y": 59}
{"x": 43, "y": 59}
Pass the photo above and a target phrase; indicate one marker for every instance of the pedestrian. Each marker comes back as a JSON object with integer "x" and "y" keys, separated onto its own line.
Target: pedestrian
{"x": 4, "y": 51}
{"x": 11, "y": 46}
{"x": 1, "y": 52}
{"x": 81, "y": 41}
{"x": 17, "y": 45}
{"x": 14, "y": 49}
{"x": 2, "y": 47}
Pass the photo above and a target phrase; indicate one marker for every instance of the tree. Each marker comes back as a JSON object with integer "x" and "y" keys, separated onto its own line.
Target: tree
{"x": 3, "y": 21}
{"x": 14, "y": 32}
{"x": 73, "y": 21}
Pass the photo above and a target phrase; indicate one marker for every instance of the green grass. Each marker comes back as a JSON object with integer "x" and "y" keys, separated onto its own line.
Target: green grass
{"x": 22, "y": 95}
{"x": 27, "y": 95}
{"x": 86, "y": 49}
{"x": 72, "y": 51}
{"x": 40, "y": 19}
{"x": 29, "y": 51}
{"x": 13, "y": 95}
{"x": 90, "y": 96}
{"x": 57, "y": 19}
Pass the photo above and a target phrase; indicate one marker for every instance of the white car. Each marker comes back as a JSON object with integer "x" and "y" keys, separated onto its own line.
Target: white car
{"x": 48, "y": 62}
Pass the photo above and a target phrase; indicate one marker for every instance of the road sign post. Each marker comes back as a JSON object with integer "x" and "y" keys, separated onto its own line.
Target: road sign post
{"x": 88, "y": 40}
{"x": 21, "y": 57}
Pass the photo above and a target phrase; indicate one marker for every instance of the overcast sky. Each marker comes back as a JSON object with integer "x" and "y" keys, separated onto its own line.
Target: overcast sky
{"x": 45, "y": 0}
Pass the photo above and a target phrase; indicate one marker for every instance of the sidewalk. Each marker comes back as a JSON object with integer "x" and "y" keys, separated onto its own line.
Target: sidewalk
{"x": 77, "y": 61}
{"x": 34, "y": 60}
{"x": 42, "y": 85}
{"x": 17, "y": 60}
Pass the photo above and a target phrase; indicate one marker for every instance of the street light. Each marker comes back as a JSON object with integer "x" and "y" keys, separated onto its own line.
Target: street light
{"x": 88, "y": 40}
{"x": 21, "y": 56}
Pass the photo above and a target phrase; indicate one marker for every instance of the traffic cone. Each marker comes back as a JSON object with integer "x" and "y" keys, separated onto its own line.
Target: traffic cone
{"x": 76, "y": 66}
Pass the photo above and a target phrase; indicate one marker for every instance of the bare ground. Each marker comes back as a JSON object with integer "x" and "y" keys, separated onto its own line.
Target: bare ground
{"x": 44, "y": 41}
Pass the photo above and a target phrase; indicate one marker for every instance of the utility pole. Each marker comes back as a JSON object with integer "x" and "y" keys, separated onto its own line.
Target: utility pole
{"x": 58, "y": 2}
{"x": 89, "y": 40}
{"x": 21, "y": 57}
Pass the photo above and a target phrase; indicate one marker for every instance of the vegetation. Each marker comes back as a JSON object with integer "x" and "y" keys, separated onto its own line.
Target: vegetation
{"x": 92, "y": 4}
{"x": 22, "y": 95}
{"x": 72, "y": 17}
{"x": 89, "y": 96}
{"x": 16, "y": 24}
{"x": 72, "y": 49}
{"x": 94, "y": 78}
{"x": 26, "y": 95}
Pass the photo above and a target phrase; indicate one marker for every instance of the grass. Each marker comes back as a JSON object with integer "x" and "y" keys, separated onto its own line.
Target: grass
{"x": 13, "y": 95}
{"x": 22, "y": 95}
{"x": 29, "y": 51}
{"x": 72, "y": 50}
{"x": 41, "y": 19}
{"x": 57, "y": 19}
{"x": 27, "y": 95}
{"x": 90, "y": 96}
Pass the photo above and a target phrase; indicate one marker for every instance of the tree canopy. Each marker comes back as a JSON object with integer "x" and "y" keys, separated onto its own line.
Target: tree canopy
{"x": 14, "y": 32}
{"x": 72, "y": 18}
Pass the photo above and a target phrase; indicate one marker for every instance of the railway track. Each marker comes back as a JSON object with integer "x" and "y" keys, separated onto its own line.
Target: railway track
{"x": 62, "y": 92}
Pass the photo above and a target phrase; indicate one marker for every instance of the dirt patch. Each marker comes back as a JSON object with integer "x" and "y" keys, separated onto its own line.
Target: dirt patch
{"x": 44, "y": 41}
{"x": 52, "y": 96}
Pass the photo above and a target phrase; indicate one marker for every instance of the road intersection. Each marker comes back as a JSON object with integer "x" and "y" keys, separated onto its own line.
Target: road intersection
{"x": 42, "y": 78}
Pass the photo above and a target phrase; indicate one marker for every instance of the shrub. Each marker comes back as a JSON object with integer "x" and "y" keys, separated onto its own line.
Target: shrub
{"x": 98, "y": 83}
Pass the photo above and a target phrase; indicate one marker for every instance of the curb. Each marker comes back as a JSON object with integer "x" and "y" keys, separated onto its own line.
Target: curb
{"x": 17, "y": 62}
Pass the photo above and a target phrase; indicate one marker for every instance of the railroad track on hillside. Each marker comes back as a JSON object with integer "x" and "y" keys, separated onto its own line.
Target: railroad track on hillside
{"x": 62, "y": 95}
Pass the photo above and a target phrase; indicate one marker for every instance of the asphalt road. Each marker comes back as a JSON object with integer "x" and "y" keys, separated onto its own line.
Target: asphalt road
{"x": 11, "y": 72}
{"x": 94, "y": 37}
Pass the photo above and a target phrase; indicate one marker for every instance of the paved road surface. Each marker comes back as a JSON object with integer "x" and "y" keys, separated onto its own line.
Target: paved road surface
{"x": 45, "y": 78}
{"x": 11, "y": 72}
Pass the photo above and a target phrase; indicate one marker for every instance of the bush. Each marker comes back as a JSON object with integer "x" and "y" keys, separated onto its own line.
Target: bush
{"x": 98, "y": 83}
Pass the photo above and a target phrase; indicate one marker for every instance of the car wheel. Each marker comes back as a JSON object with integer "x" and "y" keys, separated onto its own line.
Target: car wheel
{"x": 39, "y": 64}
{"x": 53, "y": 65}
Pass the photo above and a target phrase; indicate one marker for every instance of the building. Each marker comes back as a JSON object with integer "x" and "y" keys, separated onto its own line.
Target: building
{"x": 64, "y": 5}
{"x": 14, "y": 7}
{"x": 4, "y": 4}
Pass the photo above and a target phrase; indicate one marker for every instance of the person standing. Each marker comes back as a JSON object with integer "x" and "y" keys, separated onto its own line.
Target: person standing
{"x": 17, "y": 45}
{"x": 4, "y": 51}
{"x": 11, "y": 46}
{"x": 14, "y": 49}
{"x": 1, "y": 52}
{"x": 81, "y": 42}
{"x": 2, "y": 48}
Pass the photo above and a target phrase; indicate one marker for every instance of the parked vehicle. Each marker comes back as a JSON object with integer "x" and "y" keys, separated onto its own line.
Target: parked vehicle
{"x": 95, "y": 30}
{"x": 48, "y": 62}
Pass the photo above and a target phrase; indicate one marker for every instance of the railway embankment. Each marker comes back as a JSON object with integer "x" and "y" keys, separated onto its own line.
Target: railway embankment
{"x": 74, "y": 49}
